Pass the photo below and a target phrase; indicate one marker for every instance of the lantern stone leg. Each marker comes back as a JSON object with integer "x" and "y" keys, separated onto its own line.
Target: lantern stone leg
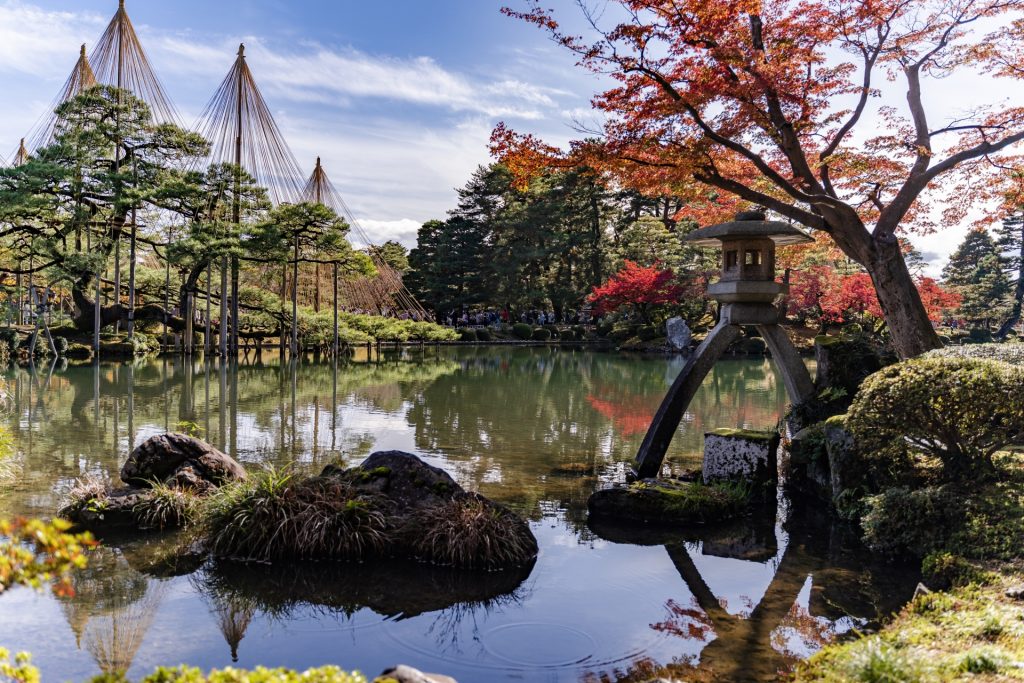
{"x": 794, "y": 373}
{"x": 667, "y": 419}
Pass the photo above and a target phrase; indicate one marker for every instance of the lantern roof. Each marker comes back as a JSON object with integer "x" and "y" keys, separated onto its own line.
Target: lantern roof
{"x": 746, "y": 225}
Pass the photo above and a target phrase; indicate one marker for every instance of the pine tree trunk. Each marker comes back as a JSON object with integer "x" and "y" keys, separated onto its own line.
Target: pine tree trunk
{"x": 1018, "y": 298}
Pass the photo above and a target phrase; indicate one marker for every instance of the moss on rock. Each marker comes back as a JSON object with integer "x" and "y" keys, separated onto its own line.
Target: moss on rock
{"x": 668, "y": 501}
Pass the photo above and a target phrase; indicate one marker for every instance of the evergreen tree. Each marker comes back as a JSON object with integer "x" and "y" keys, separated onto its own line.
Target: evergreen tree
{"x": 449, "y": 265}
{"x": 1010, "y": 240}
{"x": 975, "y": 272}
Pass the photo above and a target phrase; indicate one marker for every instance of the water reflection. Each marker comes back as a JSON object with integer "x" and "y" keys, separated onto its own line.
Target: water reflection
{"x": 537, "y": 429}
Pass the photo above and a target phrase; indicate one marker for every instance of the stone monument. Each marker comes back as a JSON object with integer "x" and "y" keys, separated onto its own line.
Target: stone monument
{"x": 746, "y": 290}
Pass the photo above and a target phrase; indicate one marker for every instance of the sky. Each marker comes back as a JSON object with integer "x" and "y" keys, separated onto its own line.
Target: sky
{"x": 399, "y": 97}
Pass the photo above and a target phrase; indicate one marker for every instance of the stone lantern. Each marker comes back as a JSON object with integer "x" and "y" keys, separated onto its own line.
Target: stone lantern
{"x": 746, "y": 291}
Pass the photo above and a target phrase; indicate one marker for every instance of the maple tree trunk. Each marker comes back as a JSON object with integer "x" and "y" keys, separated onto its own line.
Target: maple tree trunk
{"x": 911, "y": 330}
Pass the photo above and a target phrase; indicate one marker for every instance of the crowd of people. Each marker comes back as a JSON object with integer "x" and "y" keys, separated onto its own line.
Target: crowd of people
{"x": 493, "y": 318}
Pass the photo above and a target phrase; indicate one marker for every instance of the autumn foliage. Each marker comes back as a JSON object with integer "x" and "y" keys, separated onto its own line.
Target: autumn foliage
{"x": 636, "y": 287}
{"x": 822, "y": 293}
{"x": 34, "y": 553}
{"x": 816, "y": 111}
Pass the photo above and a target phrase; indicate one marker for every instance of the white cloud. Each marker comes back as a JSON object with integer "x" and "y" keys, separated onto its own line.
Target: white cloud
{"x": 40, "y": 42}
{"x": 337, "y": 76}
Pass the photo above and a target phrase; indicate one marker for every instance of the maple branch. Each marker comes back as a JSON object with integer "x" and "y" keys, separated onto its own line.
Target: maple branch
{"x": 713, "y": 178}
{"x": 916, "y": 184}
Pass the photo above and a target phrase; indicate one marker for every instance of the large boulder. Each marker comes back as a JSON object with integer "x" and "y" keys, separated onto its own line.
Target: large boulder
{"x": 405, "y": 480}
{"x": 180, "y": 461}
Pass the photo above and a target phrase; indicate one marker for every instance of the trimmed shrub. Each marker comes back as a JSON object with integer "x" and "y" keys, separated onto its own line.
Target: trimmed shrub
{"x": 579, "y": 332}
{"x": 522, "y": 331}
{"x": 483, "y": 334}
{"x": 1010, "y": 352}
{"x": 541, "y": 334}
{"x": 467, "y": 334}
{"x": 958, "y": 410}
{"x": 979, "y": 335}
{"x": 604, "y": 329}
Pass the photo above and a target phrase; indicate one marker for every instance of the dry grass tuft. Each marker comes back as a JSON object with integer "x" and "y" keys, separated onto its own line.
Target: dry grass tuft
{"x": 89, "y": 492}
{"x": 274, "y": 516}
{"x": 471, "y": 532}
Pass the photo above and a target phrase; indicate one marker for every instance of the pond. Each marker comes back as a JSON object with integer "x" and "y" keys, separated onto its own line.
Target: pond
{"x": 740, "y": 602}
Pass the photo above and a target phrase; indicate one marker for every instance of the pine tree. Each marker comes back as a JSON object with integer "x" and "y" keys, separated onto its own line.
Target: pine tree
{"x": 975, "y": 272}
{"x": 1010, "y": 240}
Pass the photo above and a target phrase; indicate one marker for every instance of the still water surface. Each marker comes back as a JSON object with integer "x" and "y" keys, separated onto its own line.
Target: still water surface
{"x": 741, "y": 602}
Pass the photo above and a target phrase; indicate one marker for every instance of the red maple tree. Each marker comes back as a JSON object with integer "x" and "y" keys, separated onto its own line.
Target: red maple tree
{"x": 637, "y": 287}
{"x": 822, "y": 293}
{"x": 817, "y": 111}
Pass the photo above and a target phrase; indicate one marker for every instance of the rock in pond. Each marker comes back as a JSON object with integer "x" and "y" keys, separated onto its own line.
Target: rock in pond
{"x": 181, "y": 461}
{"x": 407, "y": 674}
{"x": 186, "y": 467}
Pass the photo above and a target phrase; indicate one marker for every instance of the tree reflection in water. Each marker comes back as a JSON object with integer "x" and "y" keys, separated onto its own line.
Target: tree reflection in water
{"x": 819, "y": 590}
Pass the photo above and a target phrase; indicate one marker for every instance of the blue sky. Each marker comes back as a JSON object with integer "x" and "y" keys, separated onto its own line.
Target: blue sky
{"x": 399, "y": 98}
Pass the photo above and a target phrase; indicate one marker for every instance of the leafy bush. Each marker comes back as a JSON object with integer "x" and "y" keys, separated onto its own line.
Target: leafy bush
{"x": 958, "y": 410}
{"x": 522, "y": 331}
{"x": 187, "y": 674}
{"x": 912, "y": 521}
{"x": 541, "y": 334}
{"x": 33, "y": 553}
{"x": 483, "y": 334}
{"x": 979, "y": 335}
{"x": 604, "y": 329}
{"x": 467, "y": 334}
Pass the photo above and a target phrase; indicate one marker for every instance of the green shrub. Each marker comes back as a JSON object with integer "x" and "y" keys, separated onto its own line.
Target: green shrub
{"x": 902, "y": 521}
{"x": 958, "y": 410}
{"x": 944, "y": 570}
{"x": 467, "y": 334}
{"x": 483, "y": 334}
{"x": 522, "y": 331}
{"x": 979, "y": 335}
{"x": 647, "y": 332}
{"x": 188, "y": 674}
{"x": 579, "y": 332}
{"x": 541, "y": 334}
{"x": 604, "y": 329}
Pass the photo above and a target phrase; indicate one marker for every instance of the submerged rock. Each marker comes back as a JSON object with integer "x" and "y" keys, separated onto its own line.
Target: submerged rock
{"x": 180, "y": 461}
{"x": 669, "y": 501}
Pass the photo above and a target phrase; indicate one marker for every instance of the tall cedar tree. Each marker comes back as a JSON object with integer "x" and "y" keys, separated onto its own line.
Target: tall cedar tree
{"x": 770, "y": 102}
{"x": 1010, "y": 240}
{"x": 975, "y": 272}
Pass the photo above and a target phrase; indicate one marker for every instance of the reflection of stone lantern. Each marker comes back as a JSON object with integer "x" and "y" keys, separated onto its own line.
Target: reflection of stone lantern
{"x": 745, "y": 291}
